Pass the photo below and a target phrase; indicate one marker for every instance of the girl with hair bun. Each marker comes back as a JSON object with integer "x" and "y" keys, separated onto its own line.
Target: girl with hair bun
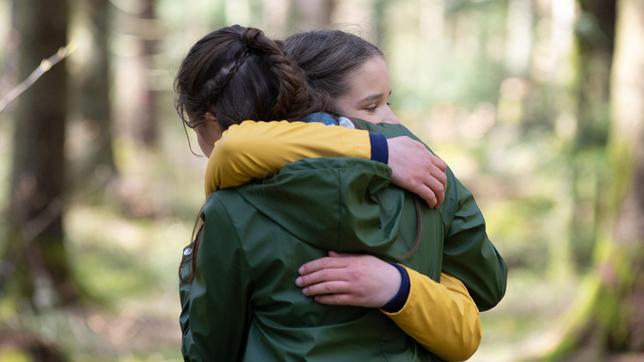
{"x": 238, "y": 292}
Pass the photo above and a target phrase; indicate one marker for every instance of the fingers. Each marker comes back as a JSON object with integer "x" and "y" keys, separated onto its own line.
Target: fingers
{"x": 337, "y": 299}
{"x": 321, "y": 276}
{"x": 332, "y": 287}
{"x": 437, "y": 188}
{"x": 426, "y": 194}
{"x": 438, "y": 162}
{"x": 439, "y": 174}
{"x": 322, "y": 263}
{"x": 436, "y": 180}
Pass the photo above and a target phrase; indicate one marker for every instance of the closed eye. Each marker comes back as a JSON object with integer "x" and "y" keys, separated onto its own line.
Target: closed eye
{"x": 371, "y": 108}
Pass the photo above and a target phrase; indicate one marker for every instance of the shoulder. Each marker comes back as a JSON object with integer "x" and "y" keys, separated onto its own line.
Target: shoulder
{"x": 221, "y": 202}
{"x": 218, "y": 214}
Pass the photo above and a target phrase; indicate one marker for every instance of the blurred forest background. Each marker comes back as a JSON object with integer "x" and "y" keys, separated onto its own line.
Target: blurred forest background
{"x": 537, "y": 105}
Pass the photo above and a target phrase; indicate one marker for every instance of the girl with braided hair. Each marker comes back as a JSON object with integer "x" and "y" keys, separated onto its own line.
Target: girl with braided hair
{"x": 252, "y": 239}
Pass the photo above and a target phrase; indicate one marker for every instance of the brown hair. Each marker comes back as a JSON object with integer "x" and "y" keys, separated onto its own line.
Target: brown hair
{"x": 238, "y": 73}
{"x": 328, "y": 57}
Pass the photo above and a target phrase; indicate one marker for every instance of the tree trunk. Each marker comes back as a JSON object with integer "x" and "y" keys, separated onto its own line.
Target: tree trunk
{"x": 35, "y": 256}
{"x": 95, "y": 104}
{"x": 595, "y": 40}
{"x": 148, "y": 132}
{"x": 609, "y": 318}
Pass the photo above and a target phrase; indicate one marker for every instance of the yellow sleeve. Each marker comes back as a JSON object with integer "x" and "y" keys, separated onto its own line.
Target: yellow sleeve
{"x": 256, "y": 149}
{"x": 442, "y": 317}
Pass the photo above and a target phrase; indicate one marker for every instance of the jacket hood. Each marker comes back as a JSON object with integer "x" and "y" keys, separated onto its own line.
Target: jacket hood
{"x": 340, "y": 204}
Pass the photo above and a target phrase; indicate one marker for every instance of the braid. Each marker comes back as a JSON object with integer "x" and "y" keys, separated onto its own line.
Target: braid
{"x": 238, "y": 73}
{"x": 212, "y": 88}
{"x": 293, "y": 89}
{"x": 293, "y": 92}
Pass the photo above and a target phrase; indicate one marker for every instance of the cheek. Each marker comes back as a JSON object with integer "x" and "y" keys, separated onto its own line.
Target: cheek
{"x": 343, "y": 106}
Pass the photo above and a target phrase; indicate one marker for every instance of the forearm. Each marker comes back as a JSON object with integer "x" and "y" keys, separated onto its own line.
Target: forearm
{"x": 442, "y": 317}
{"x": 256, "y": 149}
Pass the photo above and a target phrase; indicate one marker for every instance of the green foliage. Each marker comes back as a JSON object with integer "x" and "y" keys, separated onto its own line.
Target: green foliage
{"x": 13, "y": 355}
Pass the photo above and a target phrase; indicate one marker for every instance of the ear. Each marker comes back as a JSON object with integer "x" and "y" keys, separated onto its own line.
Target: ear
{"x": 209, "y": 117}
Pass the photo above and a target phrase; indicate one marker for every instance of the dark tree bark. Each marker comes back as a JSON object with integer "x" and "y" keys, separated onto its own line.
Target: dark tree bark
{"x": 595, "y": 40}
{"x": 95, "y": 104}
{"x": 35, "y": 255}
{"x": 610, "y": 320}
{"x": 148, "y": 126}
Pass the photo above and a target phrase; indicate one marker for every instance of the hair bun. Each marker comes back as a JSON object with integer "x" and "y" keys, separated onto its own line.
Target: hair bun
{"x": 249, "y": 36}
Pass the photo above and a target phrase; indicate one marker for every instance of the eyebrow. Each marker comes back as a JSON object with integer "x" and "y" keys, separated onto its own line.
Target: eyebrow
{"x": 373, "y": 97}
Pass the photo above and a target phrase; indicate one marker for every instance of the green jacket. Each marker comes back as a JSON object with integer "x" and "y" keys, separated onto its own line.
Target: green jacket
{"x": 243, "y": 303}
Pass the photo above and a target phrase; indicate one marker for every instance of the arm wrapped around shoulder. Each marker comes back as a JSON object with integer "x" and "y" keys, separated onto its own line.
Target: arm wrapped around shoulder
{"x": 256, "y": 149}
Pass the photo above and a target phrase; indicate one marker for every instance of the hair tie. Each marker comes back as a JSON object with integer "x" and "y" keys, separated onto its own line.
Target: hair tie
{"x": 249, "y": 36}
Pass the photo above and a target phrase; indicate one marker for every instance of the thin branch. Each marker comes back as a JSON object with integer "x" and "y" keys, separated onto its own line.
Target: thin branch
{"x": 45, "y": 65}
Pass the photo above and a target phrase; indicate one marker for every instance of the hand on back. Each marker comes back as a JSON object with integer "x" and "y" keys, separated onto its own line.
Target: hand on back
{"x": 349, "y": 279}
{"x": 416, "y": 169}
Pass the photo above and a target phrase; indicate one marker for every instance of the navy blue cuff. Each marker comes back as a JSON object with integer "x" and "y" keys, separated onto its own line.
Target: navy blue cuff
{"x": 379, "y": 147}
{"x": 398, "y": 301}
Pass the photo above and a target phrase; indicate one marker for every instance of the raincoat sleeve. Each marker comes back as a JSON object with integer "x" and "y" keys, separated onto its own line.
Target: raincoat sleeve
{"x": 217, "y": 319}
{"x": 442, "y": 317}
{"x": 468, "y": 253}
{"x": 257, "y": 149}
